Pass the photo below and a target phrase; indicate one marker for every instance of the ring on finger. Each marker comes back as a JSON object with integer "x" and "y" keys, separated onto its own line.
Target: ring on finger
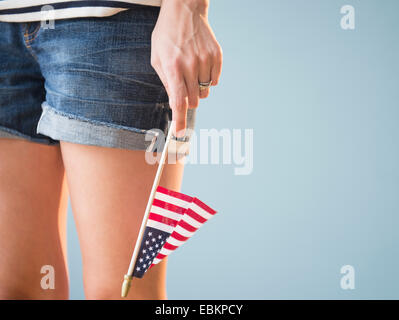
{"x": 205, "y": 85}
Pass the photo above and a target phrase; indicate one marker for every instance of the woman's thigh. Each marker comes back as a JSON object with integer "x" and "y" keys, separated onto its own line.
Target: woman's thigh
{"x": 109, "y": 190}
{"x": 32, "y": 221}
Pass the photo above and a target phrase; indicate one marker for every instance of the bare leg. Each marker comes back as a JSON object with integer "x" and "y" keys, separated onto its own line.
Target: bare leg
{"x": 32, "y": 220}
{"x": 109, "y": 191}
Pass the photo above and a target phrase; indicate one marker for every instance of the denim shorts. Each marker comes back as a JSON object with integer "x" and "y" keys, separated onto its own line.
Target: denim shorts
{"x": 86, "y": 81}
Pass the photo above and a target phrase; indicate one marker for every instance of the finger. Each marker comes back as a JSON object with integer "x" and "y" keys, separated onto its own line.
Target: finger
{"x": 217, "y": 67}
{"x": 191, "y": 80}
{"x": 204, "y": 76}
{"x": 179, "y": 116}
{"x": 178, "y": 101}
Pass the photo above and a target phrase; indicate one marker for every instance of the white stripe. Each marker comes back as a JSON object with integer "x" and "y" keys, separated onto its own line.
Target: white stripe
{"x": 10, "y": 4}
{"x": 170, "y": 199}
{"x": 166, "y": 213}
{"x": 165, "y": 252}
{"x": 192, "y": 222}
{"x": 159, "y": 226}
{"x": 180, "y": 230}
{"x": 203, "y": 213}
{"x": 174, "y": 242}
{"x": 156, "y": 261}
{"x": 61, "y": 14}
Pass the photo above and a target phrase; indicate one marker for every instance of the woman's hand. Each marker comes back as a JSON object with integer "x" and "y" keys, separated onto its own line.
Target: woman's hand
{"x": 184, "y": 53}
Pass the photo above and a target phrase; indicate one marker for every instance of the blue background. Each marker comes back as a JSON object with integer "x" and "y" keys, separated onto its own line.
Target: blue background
{"x": 324, "y": 192}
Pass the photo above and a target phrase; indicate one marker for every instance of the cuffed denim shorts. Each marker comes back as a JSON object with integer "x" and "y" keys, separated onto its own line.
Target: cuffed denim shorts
{"x": 86, "y": 81}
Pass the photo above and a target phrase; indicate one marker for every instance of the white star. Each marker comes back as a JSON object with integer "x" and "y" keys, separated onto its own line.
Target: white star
{"x": 153, "y": 239}
{"x": 144, "y": 265}
{"x": 144, "y": 250}
{"x": 150, "y": 248}
{"x": 159, "y": 237}
{"x": 141, "y": 259}
{"x": 149, "y": 234}
{"x": 138, "y": 269}
{"x": 147, "y": 242}
{"x": 147, "y": 257}
{"x": 156, "y": 246}
{"x": 153, "y": 254}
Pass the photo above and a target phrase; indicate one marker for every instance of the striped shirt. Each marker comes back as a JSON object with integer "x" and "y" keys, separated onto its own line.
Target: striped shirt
{"x": 36, "y": 10}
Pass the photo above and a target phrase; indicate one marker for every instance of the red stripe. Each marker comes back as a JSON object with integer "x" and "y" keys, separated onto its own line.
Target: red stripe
{"x": 160, "y": 256}
{"x": 178, "y": 236}
{"x": 204, "y": 206}
{"x": 168, "y": 206}
{"x": 156, "y": 217}
{"x": 169, "y": 246}
{"x": 175, "y": 194}
{"x": 195, "y": 216}
{"x": 187, "y": 226}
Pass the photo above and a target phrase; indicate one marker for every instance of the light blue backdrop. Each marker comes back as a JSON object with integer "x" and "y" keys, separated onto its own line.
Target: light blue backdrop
{"x": 323, "y": 104}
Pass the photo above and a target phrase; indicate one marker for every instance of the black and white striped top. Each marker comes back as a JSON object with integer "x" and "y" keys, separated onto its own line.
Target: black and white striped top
{"x": 36, "y": 10}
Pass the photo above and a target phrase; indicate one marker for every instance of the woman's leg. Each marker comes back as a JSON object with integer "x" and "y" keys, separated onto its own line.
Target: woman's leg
{"x": 109, "y": 191}
{"x": 32, "y": 220}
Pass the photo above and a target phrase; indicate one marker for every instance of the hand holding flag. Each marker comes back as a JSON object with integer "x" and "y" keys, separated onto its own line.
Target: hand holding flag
{"x": 170, "y": 219}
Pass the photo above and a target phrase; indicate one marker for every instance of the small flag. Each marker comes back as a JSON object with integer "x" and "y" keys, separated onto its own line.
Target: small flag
{"x": 174, "y": 218}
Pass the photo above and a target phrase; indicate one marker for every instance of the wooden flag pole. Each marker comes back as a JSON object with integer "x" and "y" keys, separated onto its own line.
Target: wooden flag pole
{"x": 129, "y": 276}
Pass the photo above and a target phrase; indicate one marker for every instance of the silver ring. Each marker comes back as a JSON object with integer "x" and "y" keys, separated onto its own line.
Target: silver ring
{"x": 205, "y": 85}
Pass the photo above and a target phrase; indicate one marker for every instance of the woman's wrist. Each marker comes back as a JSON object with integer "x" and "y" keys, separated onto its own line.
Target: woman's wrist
{"x": 199, "y": 6}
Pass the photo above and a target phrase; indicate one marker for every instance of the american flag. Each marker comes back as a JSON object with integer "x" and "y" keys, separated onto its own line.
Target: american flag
{"x": 174, "y": 218}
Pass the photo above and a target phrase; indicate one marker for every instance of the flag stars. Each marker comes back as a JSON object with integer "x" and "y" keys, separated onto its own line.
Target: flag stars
{"x": 156, "y": 245}
{"x": 144, "y": 251}
{"x": 138, "y": 269}
{"x": 153, "y": 239}
{"x": 159, "y": 237}
{"x": 141, "y": 260}
{"x": 149, "y": 234}
{"x": 147, "y": 257}
{"x": 150, "y": 248}
{"x": 147, "y": 242}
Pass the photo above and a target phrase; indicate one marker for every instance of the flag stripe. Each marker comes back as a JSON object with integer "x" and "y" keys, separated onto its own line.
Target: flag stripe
{"x": 175, "y": 242}
{"x": 170, "y": 199}
{"x": 187, "y": 226}
{"x": 203, "y": 213}
{"x": 168, "y": 246}
{"x": 191, "y": 221}
{"x": 183, "y": 232}
{"x": 203, "y": 206}
{"x": 160, "y": 256}
{"x": 178, "y": 236}
{"x": 195, "y": 216}
{"x": 165, "y": 251}
{"x": 162, "y": 219}
{"x": 168, "y": 206}
{"x": 160, "y": 226}
{"x": 166, "y": 213}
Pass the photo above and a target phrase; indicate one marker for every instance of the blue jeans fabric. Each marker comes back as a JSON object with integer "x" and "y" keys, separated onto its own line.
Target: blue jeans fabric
{"x": 87, "y": 81}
